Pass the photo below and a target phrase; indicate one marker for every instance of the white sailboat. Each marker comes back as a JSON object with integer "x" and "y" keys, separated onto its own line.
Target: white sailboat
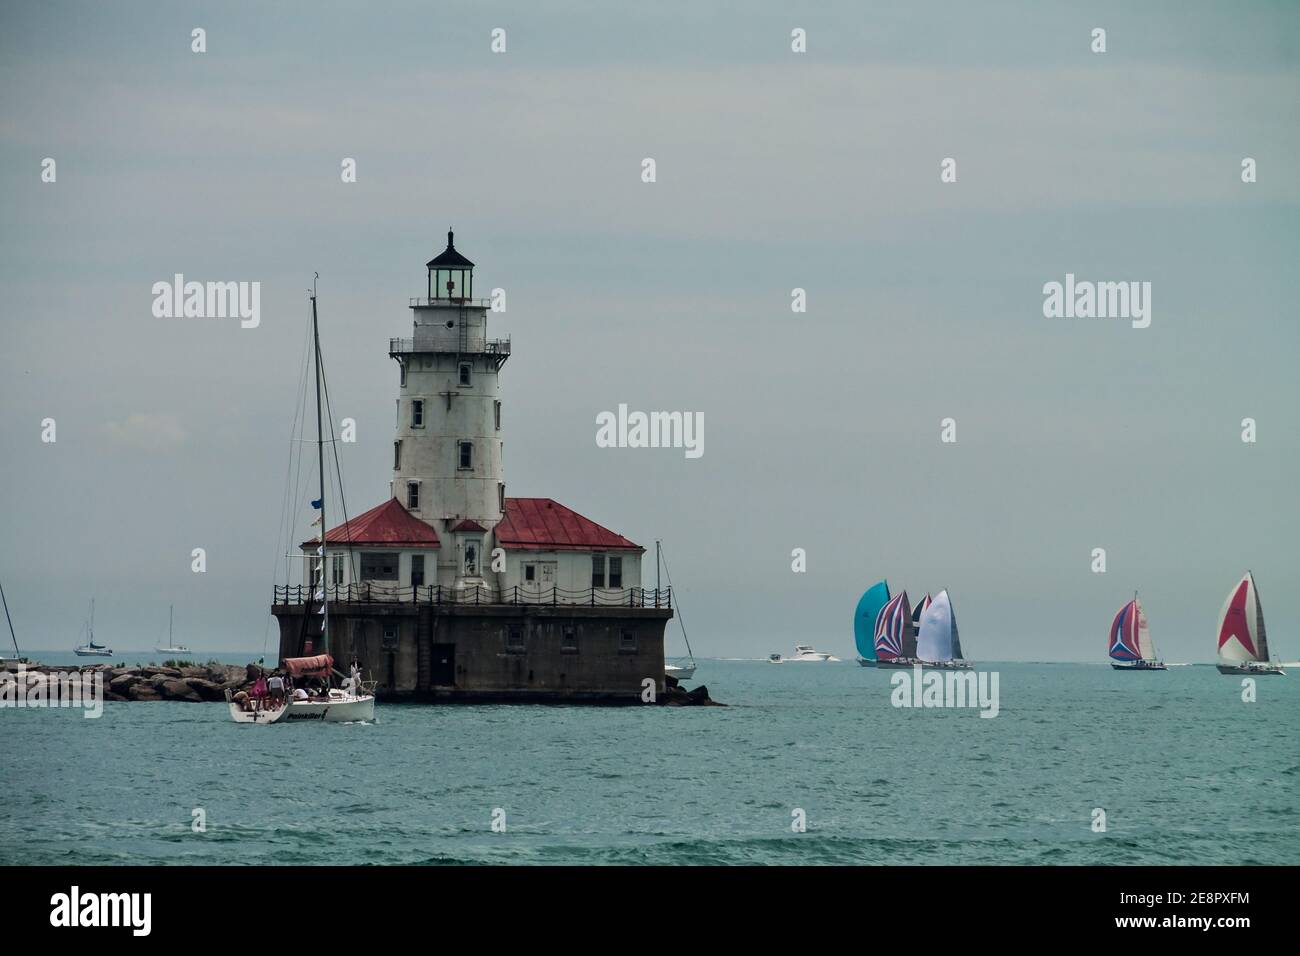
{"x": 683, "y": 668}
{"x": 177, "y": 650}
{"x": 1243, "y": 643}
{"x": 89, "y": 648}
{"x": 18, "y": 658}
{"x": 938, "y": 644}
{"x": 1130, "y": 645}
{"x": 353, "y": 702}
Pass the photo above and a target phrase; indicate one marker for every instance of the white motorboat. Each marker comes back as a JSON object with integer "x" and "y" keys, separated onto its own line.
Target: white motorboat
{"x": 805, "y": 652}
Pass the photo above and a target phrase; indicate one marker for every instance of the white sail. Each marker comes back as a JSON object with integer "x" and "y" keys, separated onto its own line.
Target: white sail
{"x": 937, "y": 639}
{"x": 1146, "y": 646}
{"x": 1241, "y": 625}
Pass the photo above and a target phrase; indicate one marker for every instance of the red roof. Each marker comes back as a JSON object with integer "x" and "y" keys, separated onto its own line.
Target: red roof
{"x": 388, "y": 524}
{"x": 540, "y": 524}
{"x": 469, "y": 524}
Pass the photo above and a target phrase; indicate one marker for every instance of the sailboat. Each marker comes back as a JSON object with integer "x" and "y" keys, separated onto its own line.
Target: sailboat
{"x": 938, "y": 644}
{"x": 917, "y": 611}
{"x": 1243, "y": 645}
{"x": 1131, "y": 647}
{"x": 330, "y": 703}
{"x": 18, "y": 654}
{"x": 683, "y": 668}
{"x": 90, "y": 648}
{"x": 869, "y": 606}
{"x": 895, "y": 641}
{"x": 172, "y": 647}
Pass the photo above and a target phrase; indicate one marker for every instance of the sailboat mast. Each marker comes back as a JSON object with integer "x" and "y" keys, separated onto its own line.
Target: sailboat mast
{"x": 10, "y": 620}
{"x": 656, "y": 572}
{"x": 320, "y": 462}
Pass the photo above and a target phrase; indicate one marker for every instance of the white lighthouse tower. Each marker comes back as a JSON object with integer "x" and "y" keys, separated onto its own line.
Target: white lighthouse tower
{"x": 447, "y": 467}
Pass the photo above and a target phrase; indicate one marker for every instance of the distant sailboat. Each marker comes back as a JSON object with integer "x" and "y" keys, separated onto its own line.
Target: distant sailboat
{"x": 917, "y": 611}
{"x": 1243, "y": 645}
{"x": 895, "y": 643}
{"x": 864, "y": 621}
{"x": 17, "y": 652}
{"x": 90, "y": 648}
{"x": 1130, "y": 644}
{"x": 172, "y": 647}
{"x": 938, "y": 643}
{"x": 683, "y": 668}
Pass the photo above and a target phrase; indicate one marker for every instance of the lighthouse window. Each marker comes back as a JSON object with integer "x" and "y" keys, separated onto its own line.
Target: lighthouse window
{"x": 627, "y": 641}
{"x": 417, "y": 414}
{"x": 496, "y": 413}
{"x": 615, "y": 572}
{"x": 413, "y": 495}
{"x": 501, "y": 497}
{"x": 597, "y": 570}
{"x": 378, "y": 566}
{"x": 465, "y": 371}
{"x": 514, "y": 638}
{"x": 402, "y": 369}
{"x": 417, "y": 570}
{"x": 530, "y": 572}
{"x": 337, "y": 568}
{"x": 397, "y": 455}
{"x": 466, "y": 455}
{"x": 569, "y": 641}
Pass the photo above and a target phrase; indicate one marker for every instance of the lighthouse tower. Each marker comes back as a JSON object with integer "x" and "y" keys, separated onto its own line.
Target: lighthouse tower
{"x": 447, "y": 468}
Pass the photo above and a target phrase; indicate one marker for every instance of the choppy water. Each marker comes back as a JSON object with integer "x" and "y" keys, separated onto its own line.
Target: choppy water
{"x": 1185, "y": 771}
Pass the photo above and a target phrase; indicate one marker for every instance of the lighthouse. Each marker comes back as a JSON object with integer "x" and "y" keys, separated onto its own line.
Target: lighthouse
{"x": 447, "y": 450}
{"x": 449, "y": 589}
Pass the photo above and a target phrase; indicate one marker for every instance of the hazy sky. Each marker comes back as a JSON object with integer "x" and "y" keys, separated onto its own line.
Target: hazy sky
{"x": 775, "y": 170}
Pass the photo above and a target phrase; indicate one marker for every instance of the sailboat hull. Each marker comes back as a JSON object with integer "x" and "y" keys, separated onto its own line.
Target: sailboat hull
{"x": 257, "y": 716}
{"x": 1139, "y": 666}
{"x": 863, "y": 662}
{"x": 680, "y": 671}
{"x": 340, "y": 709}
{"x": 1251, "y": 669}
{"x": 905, "y": 663}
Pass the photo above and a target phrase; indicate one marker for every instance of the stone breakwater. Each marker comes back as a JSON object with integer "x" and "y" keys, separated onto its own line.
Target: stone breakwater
{"x": 203, "y": 683}
{"x": 194, "y": 683}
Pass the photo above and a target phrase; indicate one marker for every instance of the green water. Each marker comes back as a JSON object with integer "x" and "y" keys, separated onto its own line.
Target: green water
{"x": 1184, "y": 770}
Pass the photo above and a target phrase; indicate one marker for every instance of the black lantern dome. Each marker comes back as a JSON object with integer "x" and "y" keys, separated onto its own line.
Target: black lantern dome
{"x": 451, "y": 275}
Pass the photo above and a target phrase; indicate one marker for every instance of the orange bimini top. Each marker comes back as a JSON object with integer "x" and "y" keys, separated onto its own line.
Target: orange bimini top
{"x": 318, "y": 666}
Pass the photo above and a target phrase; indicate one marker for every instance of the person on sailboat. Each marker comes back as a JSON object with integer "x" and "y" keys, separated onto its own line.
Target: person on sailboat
{"x": 276, "y": 687}
{"x": 259, "y": 691}
{"x": 356, "y": 678}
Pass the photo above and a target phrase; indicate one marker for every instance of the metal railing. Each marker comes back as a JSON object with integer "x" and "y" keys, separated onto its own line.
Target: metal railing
{"x": 368, "y": 592}
{"x": 451, "y": 303}
{"x": 407, "y": 346}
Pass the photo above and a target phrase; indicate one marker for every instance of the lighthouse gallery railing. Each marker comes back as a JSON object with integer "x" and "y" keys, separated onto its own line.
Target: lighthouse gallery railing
{"x": 368, "y": 592}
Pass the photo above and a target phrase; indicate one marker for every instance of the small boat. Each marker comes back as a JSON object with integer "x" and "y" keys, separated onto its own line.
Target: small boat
{"x": 18, "y": 659}
{"x": 938, "y": 644}
{"x": 90, "y": 648}
{"x": 805, "y": 652}
{"x": 356, "y": 702}
{"x": 895, "y": 639}
{"x": 172, "y": 647}
{"x": 774, "y": 658}
{"x": 864, "y": 621}
{"x": 1243, "y": 644}
{"x": 682, "y": 668}
{"x": 1130, "y": 644}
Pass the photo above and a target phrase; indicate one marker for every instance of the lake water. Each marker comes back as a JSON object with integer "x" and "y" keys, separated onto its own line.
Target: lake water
{"x": 1184, "y": 770}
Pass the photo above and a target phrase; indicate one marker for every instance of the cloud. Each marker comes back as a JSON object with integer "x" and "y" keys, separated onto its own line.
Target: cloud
{"x": 152, "y": 431}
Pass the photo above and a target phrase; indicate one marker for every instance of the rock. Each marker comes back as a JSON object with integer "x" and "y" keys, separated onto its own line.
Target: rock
{"x": 109, "y": 695}
{"x": 180, "y": 690}
{"x": 123, "y": 683}
{"x": 143, "y": 691}
{"x": 154, "y": 671}
{"x": 206, "y": 689}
